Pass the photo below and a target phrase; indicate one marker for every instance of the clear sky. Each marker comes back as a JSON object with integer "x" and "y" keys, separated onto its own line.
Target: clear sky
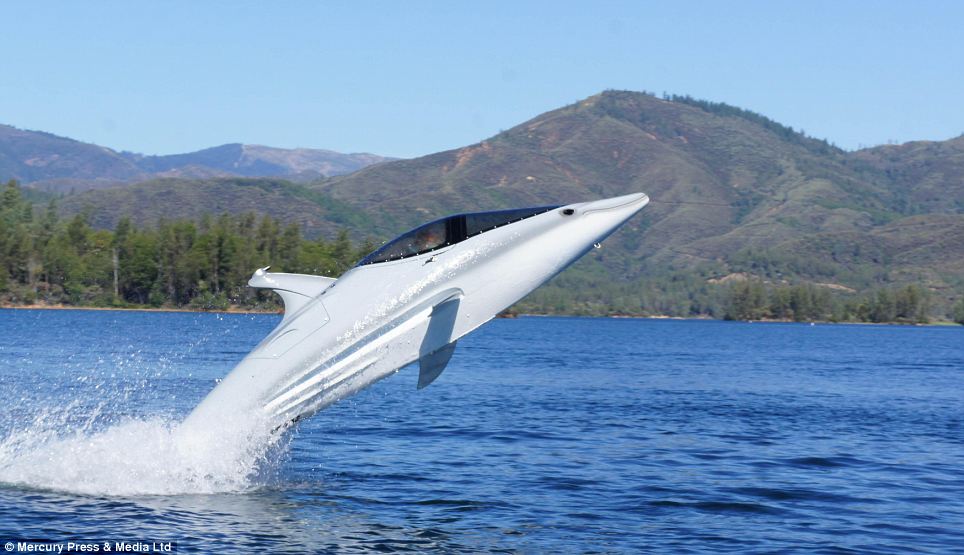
{"x": 411, "y": 78}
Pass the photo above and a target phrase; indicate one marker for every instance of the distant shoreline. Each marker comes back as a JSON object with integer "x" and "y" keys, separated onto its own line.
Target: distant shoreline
{"x": 507, "y": 316}
{"x": 229, "y": 310}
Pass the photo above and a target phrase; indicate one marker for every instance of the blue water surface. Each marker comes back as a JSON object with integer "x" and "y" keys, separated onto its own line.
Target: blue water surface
{"x": 569, "y": 435}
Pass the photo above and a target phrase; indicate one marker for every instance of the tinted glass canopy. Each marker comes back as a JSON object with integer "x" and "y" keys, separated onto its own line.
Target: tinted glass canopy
{"x": 448, "y": 231}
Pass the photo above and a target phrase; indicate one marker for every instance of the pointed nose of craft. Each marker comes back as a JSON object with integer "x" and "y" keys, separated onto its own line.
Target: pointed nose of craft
{"x": 626, "y": 203}
{"x": 596, "y": 220}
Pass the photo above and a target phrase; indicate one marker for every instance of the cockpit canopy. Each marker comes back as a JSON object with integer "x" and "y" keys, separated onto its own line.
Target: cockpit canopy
{"x": 448, "y": 231}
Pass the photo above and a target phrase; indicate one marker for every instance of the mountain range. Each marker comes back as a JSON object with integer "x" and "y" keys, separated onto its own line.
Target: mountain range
{"x": 52, "y": 163}
{"x": 735, "y": 195}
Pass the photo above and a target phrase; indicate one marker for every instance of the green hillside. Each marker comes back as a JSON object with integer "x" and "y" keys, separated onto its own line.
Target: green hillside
{"x": 740, "y": 204}
{"x": 149, "y": 202}
{"x": 925, "y": 176}
{"x": 733, "y": 193}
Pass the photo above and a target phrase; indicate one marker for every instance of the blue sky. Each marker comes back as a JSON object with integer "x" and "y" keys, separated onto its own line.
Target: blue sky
{"x": 412, "y": 78}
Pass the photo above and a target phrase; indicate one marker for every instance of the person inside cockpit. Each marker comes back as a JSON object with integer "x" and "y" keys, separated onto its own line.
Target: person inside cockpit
{"x": 428, "y": 238}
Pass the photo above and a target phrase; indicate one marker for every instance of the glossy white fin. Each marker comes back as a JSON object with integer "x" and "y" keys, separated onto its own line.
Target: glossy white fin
{"x": 431, "y": 365}
{"x": 295, "y": 289}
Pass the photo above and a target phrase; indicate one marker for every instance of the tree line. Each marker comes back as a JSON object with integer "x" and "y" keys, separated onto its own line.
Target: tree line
{"x": 206, "y": 265}
{"x": 203, "y": 265}
{"x": 754, "y": 300}
{"x": 689, "y": 295}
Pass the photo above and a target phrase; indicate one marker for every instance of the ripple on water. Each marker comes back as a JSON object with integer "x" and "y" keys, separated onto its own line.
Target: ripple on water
{"x": 681, "y": 437}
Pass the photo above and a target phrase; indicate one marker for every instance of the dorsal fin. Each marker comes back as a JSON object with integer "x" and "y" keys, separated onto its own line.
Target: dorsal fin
{"x": 295, "y": 289}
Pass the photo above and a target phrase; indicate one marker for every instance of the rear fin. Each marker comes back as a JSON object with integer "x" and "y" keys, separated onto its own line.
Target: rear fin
{"x": 295, "y": 289}
{"x": 431, "y": 365}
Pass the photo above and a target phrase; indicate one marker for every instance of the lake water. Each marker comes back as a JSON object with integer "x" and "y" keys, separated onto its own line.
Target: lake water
{"x": 543, "y": 435}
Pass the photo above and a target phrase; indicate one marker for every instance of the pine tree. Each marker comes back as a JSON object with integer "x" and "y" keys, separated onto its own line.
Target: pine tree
{"x": 958, "y": 312}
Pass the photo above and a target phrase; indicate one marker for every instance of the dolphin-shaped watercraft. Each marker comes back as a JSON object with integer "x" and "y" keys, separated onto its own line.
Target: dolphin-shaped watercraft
{"x": 408, "y": 301}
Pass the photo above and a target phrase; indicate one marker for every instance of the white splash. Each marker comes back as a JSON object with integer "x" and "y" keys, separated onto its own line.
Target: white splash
{"x": 134, "y": 457}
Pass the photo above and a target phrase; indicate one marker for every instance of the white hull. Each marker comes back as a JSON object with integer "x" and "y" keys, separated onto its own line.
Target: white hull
{"x": 340, "y": 337}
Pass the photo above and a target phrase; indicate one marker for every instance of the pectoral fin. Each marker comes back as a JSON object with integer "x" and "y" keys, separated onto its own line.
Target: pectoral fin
{"x": 431, "y": 365}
